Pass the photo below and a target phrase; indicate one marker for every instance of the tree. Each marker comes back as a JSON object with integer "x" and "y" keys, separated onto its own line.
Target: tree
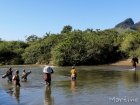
{"x": 11, "y": 51}
{"x": 32, "y": 38}
{"x": 66, "y": 29}
{"x": 131, "y": 43}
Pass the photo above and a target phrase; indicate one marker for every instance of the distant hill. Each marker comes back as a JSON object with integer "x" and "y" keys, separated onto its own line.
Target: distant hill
{"x": 127, "y": 25}
{"x": 136, "y": 26}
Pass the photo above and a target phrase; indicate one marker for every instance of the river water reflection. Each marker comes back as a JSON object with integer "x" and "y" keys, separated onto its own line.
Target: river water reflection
{"x": 95, "y": 85}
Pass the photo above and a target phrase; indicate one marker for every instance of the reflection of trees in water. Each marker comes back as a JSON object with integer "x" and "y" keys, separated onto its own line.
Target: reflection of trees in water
{"x": 17, "y": 94}
{"x": 48, "y": 98}
{"x": 99, "y": 77}
{"x": 91, "y": 80}
{"x": 131, "y": 78}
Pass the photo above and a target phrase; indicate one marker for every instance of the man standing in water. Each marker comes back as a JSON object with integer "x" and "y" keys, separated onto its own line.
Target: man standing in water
{"x": 24, "y": 75}
{"x": 16, "y": 79}
{"x": 73, "y": 73}
{"x": 47, "y": 74}
{"x": 134, "y": 62}
{"x": 8, "y": 74}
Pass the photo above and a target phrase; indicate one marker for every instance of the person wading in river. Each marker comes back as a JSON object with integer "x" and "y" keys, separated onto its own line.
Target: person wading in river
{"x": 8, "y": 74}
{"x": 47, "y": 74}
{"x": 24, "y": 75}
{"x": 134, "y": 62}
{"x": 16, "y": 79}
{"x": 73, "y": 73}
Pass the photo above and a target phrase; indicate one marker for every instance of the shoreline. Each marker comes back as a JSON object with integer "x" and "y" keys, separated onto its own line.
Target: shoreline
{"x": 126, "y": 62}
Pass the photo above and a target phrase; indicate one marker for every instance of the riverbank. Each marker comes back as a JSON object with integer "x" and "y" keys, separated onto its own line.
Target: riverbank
{"x": 126, "y": 62}
{"x": 30, "y": 65}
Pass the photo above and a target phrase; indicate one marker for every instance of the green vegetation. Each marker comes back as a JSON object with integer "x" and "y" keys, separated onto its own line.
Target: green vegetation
{"x": 11, "y": 52}
{"x": 72, "y": 47}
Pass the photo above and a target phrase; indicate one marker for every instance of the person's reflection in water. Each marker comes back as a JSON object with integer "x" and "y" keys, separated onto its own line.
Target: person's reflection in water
{"x": 10, "y": 91}
{"x": 135, "y": 77}
{"x": 73, "y": 86}
{"x": 48, "y": 98}
{"x": 7, "y": 87}
{"x": 17, "y": 94}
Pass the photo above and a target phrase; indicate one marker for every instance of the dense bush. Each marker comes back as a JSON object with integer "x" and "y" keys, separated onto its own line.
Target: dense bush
{"x": 72, "y": 47}
{"x": 10, "y": 52}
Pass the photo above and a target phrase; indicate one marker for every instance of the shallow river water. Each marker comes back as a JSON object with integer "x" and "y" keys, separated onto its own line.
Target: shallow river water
{"x": 95, "y": 85}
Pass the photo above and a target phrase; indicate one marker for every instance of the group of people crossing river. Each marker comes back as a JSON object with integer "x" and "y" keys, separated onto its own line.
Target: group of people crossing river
{"x": 16, "y": 78}
{"x": 47, "y": 71}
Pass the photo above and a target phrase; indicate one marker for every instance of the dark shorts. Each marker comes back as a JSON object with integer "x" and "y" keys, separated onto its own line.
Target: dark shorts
{"x": 10, "y": 78}
{"x": 47, "y": 77}
{"x": 134, "y": 64}
{"x": 73, "y": 78}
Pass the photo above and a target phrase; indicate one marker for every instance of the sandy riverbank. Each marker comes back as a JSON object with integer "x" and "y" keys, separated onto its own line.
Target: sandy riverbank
{"x": 125, "y": 62}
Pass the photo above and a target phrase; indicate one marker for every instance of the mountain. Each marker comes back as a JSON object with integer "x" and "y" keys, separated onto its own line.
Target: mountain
{"x": 125, "y": 24}
{"x": 136, "y": 26}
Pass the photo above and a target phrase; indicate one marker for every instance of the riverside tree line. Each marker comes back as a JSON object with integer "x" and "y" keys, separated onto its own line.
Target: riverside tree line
{"x": 72, "y": 47}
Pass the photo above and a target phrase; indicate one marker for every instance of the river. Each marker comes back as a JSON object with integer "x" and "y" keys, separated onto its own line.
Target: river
{"x": 95, "y": 85}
